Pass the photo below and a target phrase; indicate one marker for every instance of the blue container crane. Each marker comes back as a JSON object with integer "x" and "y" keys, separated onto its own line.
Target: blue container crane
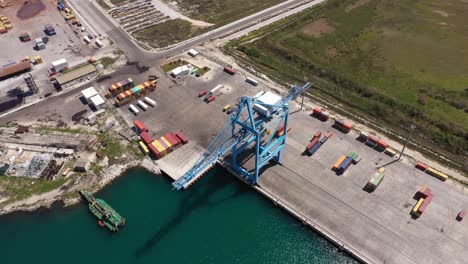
{"x": 247, "y": 131}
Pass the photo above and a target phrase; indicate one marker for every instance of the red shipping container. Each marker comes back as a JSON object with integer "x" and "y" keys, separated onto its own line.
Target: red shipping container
{"x": 312, "y": 143}
{"x": 174, "y": 137}
{"x": 146, "y": 137}
{"x": 372, "y": 139}
{"x": 202, "y": 93}
{"x": 139, "y": 126}
{"x": 328, "y": 135}
{"x": 317, "y": 135}
{"x": 317, "y": 111}
{"x": 421, "y": 166}
{"x": 347, "y": 125}
{"x": 229, "y": 70}
{"x": 426, "y": 202}
{"x": 154, "y": 151}
{"x": 382, "y": 144}
{"x": 182, "y": 138}
{"x": 210, "y": 99}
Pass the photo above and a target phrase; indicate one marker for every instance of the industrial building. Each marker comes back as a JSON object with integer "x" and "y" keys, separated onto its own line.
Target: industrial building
{"x": 76, "y": 76}
{"x": 14, "y": 69}
{"x": 88, "y": 93}
{"x": 181, "y": 71}
{"x": 98, "y": 102}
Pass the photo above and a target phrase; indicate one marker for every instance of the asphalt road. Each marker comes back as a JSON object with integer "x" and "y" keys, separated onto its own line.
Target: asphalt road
{"x": 102, "y": 23}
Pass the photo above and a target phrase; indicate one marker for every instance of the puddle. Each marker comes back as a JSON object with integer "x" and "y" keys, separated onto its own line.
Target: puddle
{"x": 30, "y": 9}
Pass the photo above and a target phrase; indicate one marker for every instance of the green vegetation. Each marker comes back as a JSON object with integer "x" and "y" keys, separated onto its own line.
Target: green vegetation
{"x": 203, "y": 70}
{"x": 395, "y": 62}
{"x": 169, "y": 33}
{"x": 17, "y": 188}
{"x": 222, "y": 12}
{"x": 50, "y": 130}
{"x": 172, "y": 65}
{"x": 107, "y": 61}
{"x": 112, "y": 147}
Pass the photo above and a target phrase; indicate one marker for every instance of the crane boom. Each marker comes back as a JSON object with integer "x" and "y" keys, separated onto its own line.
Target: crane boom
{"x": 244, "y": 128}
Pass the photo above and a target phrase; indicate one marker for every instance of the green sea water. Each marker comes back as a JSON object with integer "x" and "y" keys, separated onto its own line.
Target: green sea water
{"x": 218, "y": 220}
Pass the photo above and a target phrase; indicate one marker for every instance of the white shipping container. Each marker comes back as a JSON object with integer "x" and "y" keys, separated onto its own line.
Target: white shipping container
{"x": 99, "y": 43}
{"x": 142, "y": 105}
{"x": 219, "y": 86}
{"x": 87, "y": 40}
{"x": 134, "y": 109}
{"x": 251, "y": 81}
{"x": 150, "y": 101}
{"x": 60, "y": 64}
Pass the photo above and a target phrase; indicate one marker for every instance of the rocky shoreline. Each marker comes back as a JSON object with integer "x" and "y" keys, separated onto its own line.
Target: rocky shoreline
{"x": 107, "y": 176}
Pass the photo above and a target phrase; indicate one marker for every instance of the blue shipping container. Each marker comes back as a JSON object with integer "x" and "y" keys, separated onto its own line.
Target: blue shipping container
{"x": 344, "y": 165}
{"x": 314, "y": 148}
{"x": 371, "y": 144}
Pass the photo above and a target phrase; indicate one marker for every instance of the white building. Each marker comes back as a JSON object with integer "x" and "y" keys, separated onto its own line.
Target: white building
{"x": 181, "y": 71}
{"x": 88, "y": 93}
{"x": 59, "y": 65}
{"x": 268, "y": 98}
{"x": 98, "y": 102}
{"x": 193, "y": 53}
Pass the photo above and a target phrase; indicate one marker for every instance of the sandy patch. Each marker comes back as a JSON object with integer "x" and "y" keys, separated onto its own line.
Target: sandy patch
{"x": 440, "y": 12}
{"x": 331, "y": 51}
{"x": 356, "y": 5}
{"x": 318, "y": 28}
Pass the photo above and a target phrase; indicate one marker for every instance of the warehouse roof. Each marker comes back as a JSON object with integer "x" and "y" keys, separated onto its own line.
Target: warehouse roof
{"x": 89, "y": 92}
{"x": 15, "y": 68}
{"x": 97, "y": 100}
{"x": 75, "y": 74}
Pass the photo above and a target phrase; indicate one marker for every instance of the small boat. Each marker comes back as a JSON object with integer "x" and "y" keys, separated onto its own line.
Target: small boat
{"x": 101, "y": 223}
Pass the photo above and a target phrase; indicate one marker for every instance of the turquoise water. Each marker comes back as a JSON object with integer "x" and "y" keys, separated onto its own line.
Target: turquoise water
{"x": 218, "y": 220}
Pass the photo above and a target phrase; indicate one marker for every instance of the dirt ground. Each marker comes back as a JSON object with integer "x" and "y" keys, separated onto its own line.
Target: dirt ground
{"x": 318, "y": 28}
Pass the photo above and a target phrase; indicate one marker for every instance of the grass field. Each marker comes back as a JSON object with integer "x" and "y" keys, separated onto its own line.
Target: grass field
{"x": 222, "y": 12}
{"x": 168, "y": 33}
{"x": 399, "y": 61}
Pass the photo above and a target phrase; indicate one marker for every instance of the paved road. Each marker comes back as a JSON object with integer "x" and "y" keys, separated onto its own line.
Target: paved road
{"x": 103, "y": 24}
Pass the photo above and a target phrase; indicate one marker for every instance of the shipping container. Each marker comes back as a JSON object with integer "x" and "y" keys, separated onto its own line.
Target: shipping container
{"x": 99, "y": 44}
{"x": 424, "y": 205}
{"x": 338, "y": 162}
{"x": 251, "y": 81}
{"x": 371, "y": 144}
{"x": 159, "y": 147}
{"x": 143, "y": 147}
{"x": 176, "y": 140}
{"x": 229, "y": 70}
{"x": 210, "y": 99}
{"x": 421, "y": 166}
{"x": 344, "y": 165}
{"x": 415, "y": 211}
{"x": 323, "y": 140}
{"x": 216, "y": 88}
{"x": 317, "y": 111}
{"x": 312, "y": 143}
{"x": 133, "y": 109}
{"x": 142, "y": 105}
{"x": 140, "y": 127}
{"x": 202, "y": 93}
{"x": 167, "y": 142}
{"x": 325, "y": 116}
{"x": 86, "y": 39}
{"x": 165, "y": 145}
{"x": 150, "y": 101}
{"x": 375, "y": 181}
{"x": 146, "y": 137}
{"x": 153, "y": 150}
{"x": 390, "y": 152}
{"x": 314, "y": 149}
{"x": 363, "y": 136}
{"x": 318, "y": 134}
{"x": 226, "y": 107}
{"x": 382, "y": 144}
{"x": 182, "y": 138}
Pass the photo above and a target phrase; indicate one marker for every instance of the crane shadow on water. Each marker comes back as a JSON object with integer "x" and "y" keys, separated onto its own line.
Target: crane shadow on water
{"x": 207, "y": 193}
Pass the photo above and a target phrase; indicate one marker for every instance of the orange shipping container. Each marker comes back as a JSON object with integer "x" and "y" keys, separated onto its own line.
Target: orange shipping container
{"x": 338, "y": 162}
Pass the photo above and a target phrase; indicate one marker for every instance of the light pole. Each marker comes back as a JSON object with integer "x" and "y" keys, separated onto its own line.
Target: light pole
{"x": 412, "y": 127}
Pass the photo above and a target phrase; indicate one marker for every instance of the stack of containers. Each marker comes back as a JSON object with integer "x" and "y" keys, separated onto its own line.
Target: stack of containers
{"x": 321, "y": 115}
{"x": 372, "y": 141}
{"x": 425, "y": 197}
{"x": 375, "y": 181}
{"x": 390, "y": 152}
{"x": 146, "y": 138}
{"x": 313, "y": 142}
{"x": 139, "y": 126}
{"x": 344, "y": 165}
{"x": 439, "y": 175}
{"x": 322, "y": 141}
{"x": 338, "y": 162}
{"x": 135, "y": 92}
{"x": 381, "y": 146}
{"x": 343, "y": 125}
{"x": 363, "y": 136}
{"x": 119, "y": 87}
{"x": 356, "y": 157}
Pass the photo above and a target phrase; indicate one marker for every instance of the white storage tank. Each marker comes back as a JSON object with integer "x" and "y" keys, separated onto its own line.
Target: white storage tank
{"x": 133, "y": 109}
{"x": 87, "y": 40}
{"x": 99, "y": 43}
{"x": 142, "y": 105}
{"x": 150, "y": 101}
{"x": 251, "y": 81}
